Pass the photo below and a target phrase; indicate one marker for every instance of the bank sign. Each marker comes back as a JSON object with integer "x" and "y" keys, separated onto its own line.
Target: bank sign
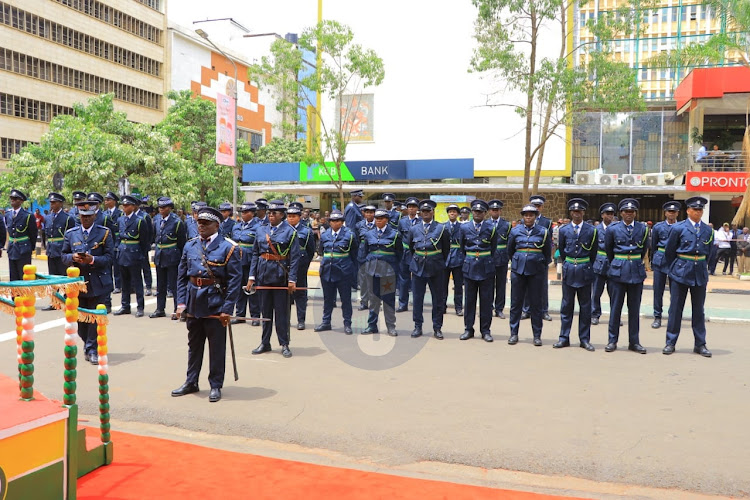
{"x": 716, "y": 182}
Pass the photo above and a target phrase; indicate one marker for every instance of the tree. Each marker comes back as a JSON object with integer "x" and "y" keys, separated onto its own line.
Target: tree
{"x": 280, "y": 150}
{"x": 510, "y": 36}
{"x": 93, "y": 150}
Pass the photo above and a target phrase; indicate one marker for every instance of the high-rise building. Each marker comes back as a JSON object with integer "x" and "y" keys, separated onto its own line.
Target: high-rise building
{"x": 54, "y": 53}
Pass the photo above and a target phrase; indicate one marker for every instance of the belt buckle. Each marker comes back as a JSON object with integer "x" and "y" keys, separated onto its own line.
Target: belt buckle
{"x": 199, "y": 281}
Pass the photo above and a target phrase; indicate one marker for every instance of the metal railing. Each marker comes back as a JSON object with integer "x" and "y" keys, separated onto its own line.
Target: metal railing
{"x": 721, "y": 161}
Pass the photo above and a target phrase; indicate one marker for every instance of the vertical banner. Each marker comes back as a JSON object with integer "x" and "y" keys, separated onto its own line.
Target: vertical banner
{"x": 356, "y": 117}
{"x": 226, "y": 148}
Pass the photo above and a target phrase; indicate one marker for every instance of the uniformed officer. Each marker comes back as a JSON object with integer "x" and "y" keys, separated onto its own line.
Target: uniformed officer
{"x": 687, "y": 253}
{"x": 454, "y": 265}
{"x": 133, "y": 246}
{"x": 478, "y": 242}
{"x": 3, "y": 235}
{"x": 22, "y": 232}
{"x": 659, "y": 238}
{"x": 394, "y": 215}
{"x": 170, "y": 237}
{"x": 464, "y": 214}
{"x": 352, "y": 213}
{"x": 404, "y": 227}
{"x": 626, "y": 244}
{"x": 227, "y": 226}
{"x": 276, "y": 256}
{"x": 538, "y": 201}
{"x": 144, "y": 211}
{"x": 530, "y": 252}
{"x": 262, "y": 207}
{"x": 577, "y": 243}
{"x": 77, "y": 196}
{"x": 111, "y": 201}
{"x": 208, "y": 284}
{"x": 244, "y": 235}
{"x": 338, "y": 270}
{"x": 56, "y": 224}
{"x": 307, "y": 246}
{"x": 191, "y": 221}
{"x": 90, "y": 247}
{"x": 502, "y": 228}
{"x": 363, "y": 226}
{"x": 601, "y": 265}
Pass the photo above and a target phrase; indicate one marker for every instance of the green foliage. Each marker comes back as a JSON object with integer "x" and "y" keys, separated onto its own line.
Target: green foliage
{"x": 280, "y": 150}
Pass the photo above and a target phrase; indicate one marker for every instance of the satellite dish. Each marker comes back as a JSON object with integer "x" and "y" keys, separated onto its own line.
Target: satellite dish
{"x": 57, "y": 181}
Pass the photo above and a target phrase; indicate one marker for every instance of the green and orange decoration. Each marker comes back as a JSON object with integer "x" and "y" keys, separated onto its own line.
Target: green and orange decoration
{"x": 46, "y": 451}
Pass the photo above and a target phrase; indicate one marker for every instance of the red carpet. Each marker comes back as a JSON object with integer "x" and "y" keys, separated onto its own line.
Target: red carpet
{"x": 152, "y": 468}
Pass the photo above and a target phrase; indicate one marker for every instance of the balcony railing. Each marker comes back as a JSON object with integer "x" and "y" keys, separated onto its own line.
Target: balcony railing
{"x": 721, "y": 161}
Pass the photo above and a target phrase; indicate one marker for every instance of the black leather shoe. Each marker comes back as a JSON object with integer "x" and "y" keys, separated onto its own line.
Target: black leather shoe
{"x": 594, "y": 321}
{"x": 236, "y": 321}
{"x": 94, "y": 358}
{"x": 438, "y": 333}
{"x": 370, "y": 330}
{"x": 703, "y": 351}
{"x": 117, "y": 290}
{"x": 323, "y": 328}
{"x": 170, "y": 295}
{"x": 587, "y": 346}
{"x": 348, "y": 330}
{"x": 500, "y": 315}
{"x": 261, "y": 349}
{"x": 286, "y": 352}
{"x": 392, "y": 332}
{"x": 402, "y": 309}
{"x": 561, "y": 343}
{"x": 525, "y": 315}
{"x": 147, "y": 292}
{"x": 459, "y": 312}
{"x": 158, "y": 314}
{"x": 537, "y": 341}
{"x": 186, "y": 388}
{"x": 637, "y": 348}
{"x": 417, "y": 332}
{"x": 466, "y": 335}
{"x": 139, "y": 313}
{"x": 362, "y": 307}
{"x": 668, "y": 349}
{"x": 183, "y": 319}
{"x": 255, "y": 322}
{"x": 214, "y": 395}
{"x": 48, "y": 308}
{"x": 496, "y": 313}
{"x": 547, "y": 317}
{"x": 121, "y": 311}
{"x": 174, "y": 316}
{"x": 610, "y": 347}
{"x": 301, "y": 325}
{"x": 487, "y": 337}
{"x": 656, "y": 323}
{"x": 513, "y": 340}
{"x": 87, "y": 356}
{"x": 621, "y": 323}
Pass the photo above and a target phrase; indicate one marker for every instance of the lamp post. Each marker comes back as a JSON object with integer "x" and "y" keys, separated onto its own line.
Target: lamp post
{"x": 204, "y": 35}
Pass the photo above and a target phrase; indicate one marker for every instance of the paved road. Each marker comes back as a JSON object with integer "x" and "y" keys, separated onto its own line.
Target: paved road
{"x": 673, "y": 422}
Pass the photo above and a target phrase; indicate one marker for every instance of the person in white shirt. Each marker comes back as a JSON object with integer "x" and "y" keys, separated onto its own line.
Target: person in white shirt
{"x": 723, "y": 241}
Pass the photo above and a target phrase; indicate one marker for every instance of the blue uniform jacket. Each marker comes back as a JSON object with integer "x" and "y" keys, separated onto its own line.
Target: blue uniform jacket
{"x": 306, "y": 243}
{"x": 170, "y": 238}
{"x": 625, "y": 252}
{"x": 223, "y": 259}
{"x": 278, "y": 265}
{"x": 502, "y": 228}
{"x": 134, "y": 240}
{"x": 456, "y": 256}
{"x": 352, "y": 215}
{"x": 362, "y": 227}
{"x": 394, "y": 217}
{"x": 382, "y": 252}
{"x": 688, "y": 252}
{"x": 404, "y": 227}
{"x": 115, "y": 217}
{"x": 22, "y": 233}
{"x": 659, "y": 238}
{"x": 479, "y": 248}
{"x": 100, "y": 244}
{"x": 227, "y": 227}
{"x": 430, "y": 249}
{"x": 601, "y": 264}
{"x": 544, "y": 222}
{"x": 3, "y": 233}
{"x": 55, "y": 226}
{"x": 339, "y": 255}
{"x": 149, "y": 227}
{"x": 578, "y": 254}
{"x": 244, "y": 234}
{"x": 103, "y": 219}
{"x": 529, "y": 249}
{"x": 192, "y": 227}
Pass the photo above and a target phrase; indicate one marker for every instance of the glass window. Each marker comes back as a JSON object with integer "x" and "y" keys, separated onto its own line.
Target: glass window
{"x": 616, "y": 143}
{"x": 585, "y": 149}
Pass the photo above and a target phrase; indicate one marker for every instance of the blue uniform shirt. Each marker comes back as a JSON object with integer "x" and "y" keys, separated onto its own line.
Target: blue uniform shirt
{"x": 688, "y": 251}
{"x": 352, "y": 215}
{"x": 659, "y": 238}
{"x": 134, "y": 240}
{"x": 22, "y": 233}
{"x": 502, "y": 228}
{"x": 55, "y": 226}
{"x": 383, "y": 251}
{"x": 479, "y": 246}
{"x": 529, "y": 249}
{"x": 456, "y": 256}
{"x": 578, "y": 253}
{"x": 244, "y": 234}
{"x": 601, "y": 264}
{"x": 276, "y": 255}
{"x": 339, "y": 255}
{"x": 170, "y": 237}
{"x": 306, "y": 243}
{"x": 404, "y": 226}
{"x": 100, "y": 243}
{"x": 430, "y": 246}
{"x": 192, "y": 227}
{"x": 362, "y": 227}
{"x": 625, "y": 251}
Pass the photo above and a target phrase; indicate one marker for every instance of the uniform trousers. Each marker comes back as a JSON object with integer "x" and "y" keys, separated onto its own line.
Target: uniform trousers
{"x": 364, "y": 292}
{"x": 528, "y": 286}
{"x": 501, "y": 282}
{"x": 166, "y": 278}
{"x": 16, "y": 267}
{"x": 660, "y": 283}
{"x": 55, "y": 266}
{"x": 244, "y": 299}
{"x": 131, "y": 279}
{"x": 419, "y": 287}
{"x": 483, "y": 288}
{"x": 146, "y": 268}
{"x": 344, "y": 289}
{"x": 458, "y": 287}
{"x": 678, "y": 295}
{"x": 276, "y": 306}
{"x": 300, "y": 296}
{"x": 87, "y": 331}
{"x": 200, "y": 329}
{"x": 545, "y": 296}
{"x": 377, "y": 288}
{"x": 597, "y": 289}
{"x": 569, "y": 294}
{"x": 404, "y": 284}
{"x": 117, "y": 276}
{"x": 634, "y": 291}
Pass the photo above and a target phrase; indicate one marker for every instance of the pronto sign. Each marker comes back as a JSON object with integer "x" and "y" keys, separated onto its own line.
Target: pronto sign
{"x": 716, "y": 182}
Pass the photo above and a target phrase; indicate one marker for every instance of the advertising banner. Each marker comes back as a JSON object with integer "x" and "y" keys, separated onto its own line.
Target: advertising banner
{"x": 716, "y": 182}
{"x": 356, "y": 118}
{"x": 226, "y": 149}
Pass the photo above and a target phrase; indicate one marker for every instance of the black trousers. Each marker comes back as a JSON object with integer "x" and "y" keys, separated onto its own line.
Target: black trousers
{"x": 529, "y": 286}
{"x": 131, "y": 279}
{"x": 16, "y": 267}
{"x": 501, "y": 283}
{"x": 55, "y": 266}
{"x": 634, "y": 291}
{"x": 300, "y": 296}
{"x": 146, "y": 268}
{"x": 419, "y": 287}
{"x": 583, "y": 293}
{"x": 166, "y": 278}
{"x": 200, "y": 329}
{"x": 276, "y": 306}
{"x": 484, "y": 288}
{"x": 87, "y": 331}
{"x": 458, "y": 287}
{"x": 243, "y": 300}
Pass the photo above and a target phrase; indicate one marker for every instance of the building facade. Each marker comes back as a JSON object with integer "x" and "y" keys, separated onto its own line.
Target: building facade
{"x": 54, "y": 53}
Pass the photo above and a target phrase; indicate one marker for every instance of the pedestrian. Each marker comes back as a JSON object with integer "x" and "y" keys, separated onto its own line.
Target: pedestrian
{"x": 659, "y": 238}
{"x": 338, "y": 270}
{"x": 429, "y": 244}
{"x": 502, "y": 228}
{"x": 134, "y": 242}
{"x": 577, "y": 243}
{"x": 454, "y": 265}
{"x": 530, "y": 252}
{"x": 208, "y": 283}
{"x": 538, "y": 201}
{"x": 478, "y": 242}
{"x": 111, "y": 201}
{"x": 404, "y": 227}
{"x": 307, "y": 247}
{"x": 244, "y": 234}
{"x": 724, "y": 244}
{"x": 362, "y": 227}
{"x": 22, "y": 233}
{"x": 170, "y": 237}
{"x": 144, "y": 211}
{"x": 743, "y": 252}
{"x": 275, "y": 265}
{"x": 40, "y": 227}
{"x": 90, "y": 248}
{"x": 690, "y": 244}
{"x": 625, "y": 244}
{"x": 56, "y": 225}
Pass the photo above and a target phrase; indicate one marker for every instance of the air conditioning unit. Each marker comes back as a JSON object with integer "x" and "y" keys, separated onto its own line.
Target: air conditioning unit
{"x": 655, "y": 179}
{"x": 607, "y": 179}
{"x": 585, "y": 177}
{"x": 632, "y": 180}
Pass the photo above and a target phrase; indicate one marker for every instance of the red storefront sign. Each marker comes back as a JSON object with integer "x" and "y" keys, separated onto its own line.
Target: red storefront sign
{"x": 716, "y": 182}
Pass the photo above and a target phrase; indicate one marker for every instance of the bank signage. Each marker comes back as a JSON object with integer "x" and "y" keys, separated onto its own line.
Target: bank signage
{"x": 716, "y": 182}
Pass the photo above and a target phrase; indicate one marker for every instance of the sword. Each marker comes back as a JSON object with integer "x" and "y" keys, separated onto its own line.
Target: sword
{"x": 255, "y": 288}
{"x": 241, "y": 318}
{"x": 231, "y": 346}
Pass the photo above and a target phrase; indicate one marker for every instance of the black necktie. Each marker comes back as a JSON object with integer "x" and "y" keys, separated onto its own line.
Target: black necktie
{"x": 575, "y": 228}
{"x": 630, "y": 229}
{"x": 85, "y": 235}
{"x": 380, "y": 233}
